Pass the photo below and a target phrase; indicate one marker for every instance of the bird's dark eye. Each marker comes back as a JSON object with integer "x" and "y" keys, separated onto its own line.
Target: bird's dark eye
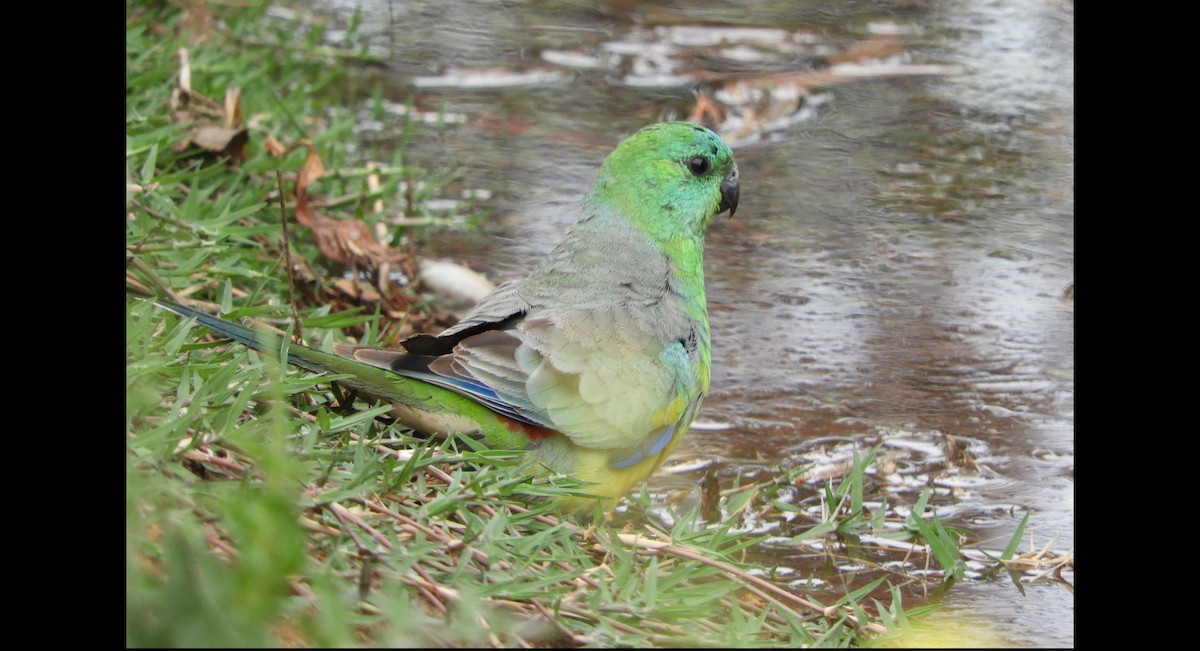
{"x": 699, "y": 165}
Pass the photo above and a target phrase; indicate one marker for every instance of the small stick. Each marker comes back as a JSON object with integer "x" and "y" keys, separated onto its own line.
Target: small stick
{"x": 287, "y": 257}
{"x": 153, "y": 277}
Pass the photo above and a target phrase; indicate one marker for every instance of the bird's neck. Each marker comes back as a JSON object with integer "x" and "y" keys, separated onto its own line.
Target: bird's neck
{"x": 678, "y": 240}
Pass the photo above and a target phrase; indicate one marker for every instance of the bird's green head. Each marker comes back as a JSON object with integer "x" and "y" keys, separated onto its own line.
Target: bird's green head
{"x": 669, "y": 178}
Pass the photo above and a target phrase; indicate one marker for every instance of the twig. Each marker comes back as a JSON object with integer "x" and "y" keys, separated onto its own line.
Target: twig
{"x": 169, "y": 246}
{"x": 410, "y": 525}
{"x": 317, "y": 527}
{"x": 287, "y": 257}
{"x": 342, "y": 512}
{"x": 170, "y": 220}
{"x": 362, "y": 548}
{"x": 545, "y": 612}
{"x": 368, "y": 171}
{"x": 429, "y": 581}
{"x": 587, "y": 615}
{"x": 210, "y": 458}
{"x": 544, "y": 519}
{"x": 153, "y": 277}
{"x": 653, "y": 547}
{"x": 439, "y": 473}
{"x": 216, "y": 542}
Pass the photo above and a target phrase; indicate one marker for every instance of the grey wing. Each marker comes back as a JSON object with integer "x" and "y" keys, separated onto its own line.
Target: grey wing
{"x": 501, "y": 309}
{"x": 480, "y": 366}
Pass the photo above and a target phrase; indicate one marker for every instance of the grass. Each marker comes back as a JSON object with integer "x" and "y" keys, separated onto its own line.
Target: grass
{"x": 260, "y": 511}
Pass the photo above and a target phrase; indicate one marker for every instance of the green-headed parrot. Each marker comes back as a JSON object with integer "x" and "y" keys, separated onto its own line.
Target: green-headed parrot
{"x": 598, "y": 360}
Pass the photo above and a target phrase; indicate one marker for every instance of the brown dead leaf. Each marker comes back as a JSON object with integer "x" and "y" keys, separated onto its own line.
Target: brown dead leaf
{"x": 233, "y": 108}
{"x": 878, "y": 47}
{"x": 788, "y": 90}
{"x": 216, "y": 140}
{"x": 752, "y": 600}
{"x": 274, "y": 147}
{"x": 358, "y": 292}
{"x": 957, "y": 454}
{"x": 312, "y": 170}
{"x": 196, "y": 22}
{"x": 213, "y": 128}
{"x": 707, "y": 112}
{"x": 347, "y": 241}
{"x": 350, "y": 243}
{"x": 220, "y": 140}
{"x": 187, "y": 105}
{"x": 710, "y": 498}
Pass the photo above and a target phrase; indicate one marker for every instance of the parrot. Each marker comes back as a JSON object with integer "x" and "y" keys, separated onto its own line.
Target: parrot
{"x": 598, "y": 360}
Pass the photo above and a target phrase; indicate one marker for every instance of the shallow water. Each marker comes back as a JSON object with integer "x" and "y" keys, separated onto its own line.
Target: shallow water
{"x": 901, "y": 266}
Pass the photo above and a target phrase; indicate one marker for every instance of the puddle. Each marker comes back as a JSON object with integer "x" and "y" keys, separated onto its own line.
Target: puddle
{"x": 901, "y": 269}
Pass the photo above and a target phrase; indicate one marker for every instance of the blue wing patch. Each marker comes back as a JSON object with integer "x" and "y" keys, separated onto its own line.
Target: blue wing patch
{"x": 653, "y": 444}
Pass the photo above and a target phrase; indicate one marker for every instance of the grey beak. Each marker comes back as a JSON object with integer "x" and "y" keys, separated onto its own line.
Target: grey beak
{"x": 729, "y": 193}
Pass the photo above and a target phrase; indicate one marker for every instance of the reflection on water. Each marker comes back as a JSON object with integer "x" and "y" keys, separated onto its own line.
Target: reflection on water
{"x": 903, "y": 256}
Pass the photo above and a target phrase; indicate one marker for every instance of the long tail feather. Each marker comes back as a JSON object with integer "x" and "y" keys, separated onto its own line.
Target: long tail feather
{"x": 355, "y": 375}
{"x": 430, "y": 408}
{"x": 302, "y": 356}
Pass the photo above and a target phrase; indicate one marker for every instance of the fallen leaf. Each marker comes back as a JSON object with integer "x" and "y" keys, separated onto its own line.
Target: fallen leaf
{"x": 220, "y": 140}
{"x": 707, "y": 112}
{"x": 878, "y": 47}
{"x": 233, "y": 108}
{"x": 185, "y": 71}
{"x": 710, "y": 498}
{"x": 213, "y": 128}
{"x": 274, "y": 147}
{"x": 350, "y": 243}
{"x": 196, "y": 22}
{"x": 312, "y": 169}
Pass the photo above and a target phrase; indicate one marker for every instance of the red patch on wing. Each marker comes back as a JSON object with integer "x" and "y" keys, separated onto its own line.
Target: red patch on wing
{"x": 531, "y": 432}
